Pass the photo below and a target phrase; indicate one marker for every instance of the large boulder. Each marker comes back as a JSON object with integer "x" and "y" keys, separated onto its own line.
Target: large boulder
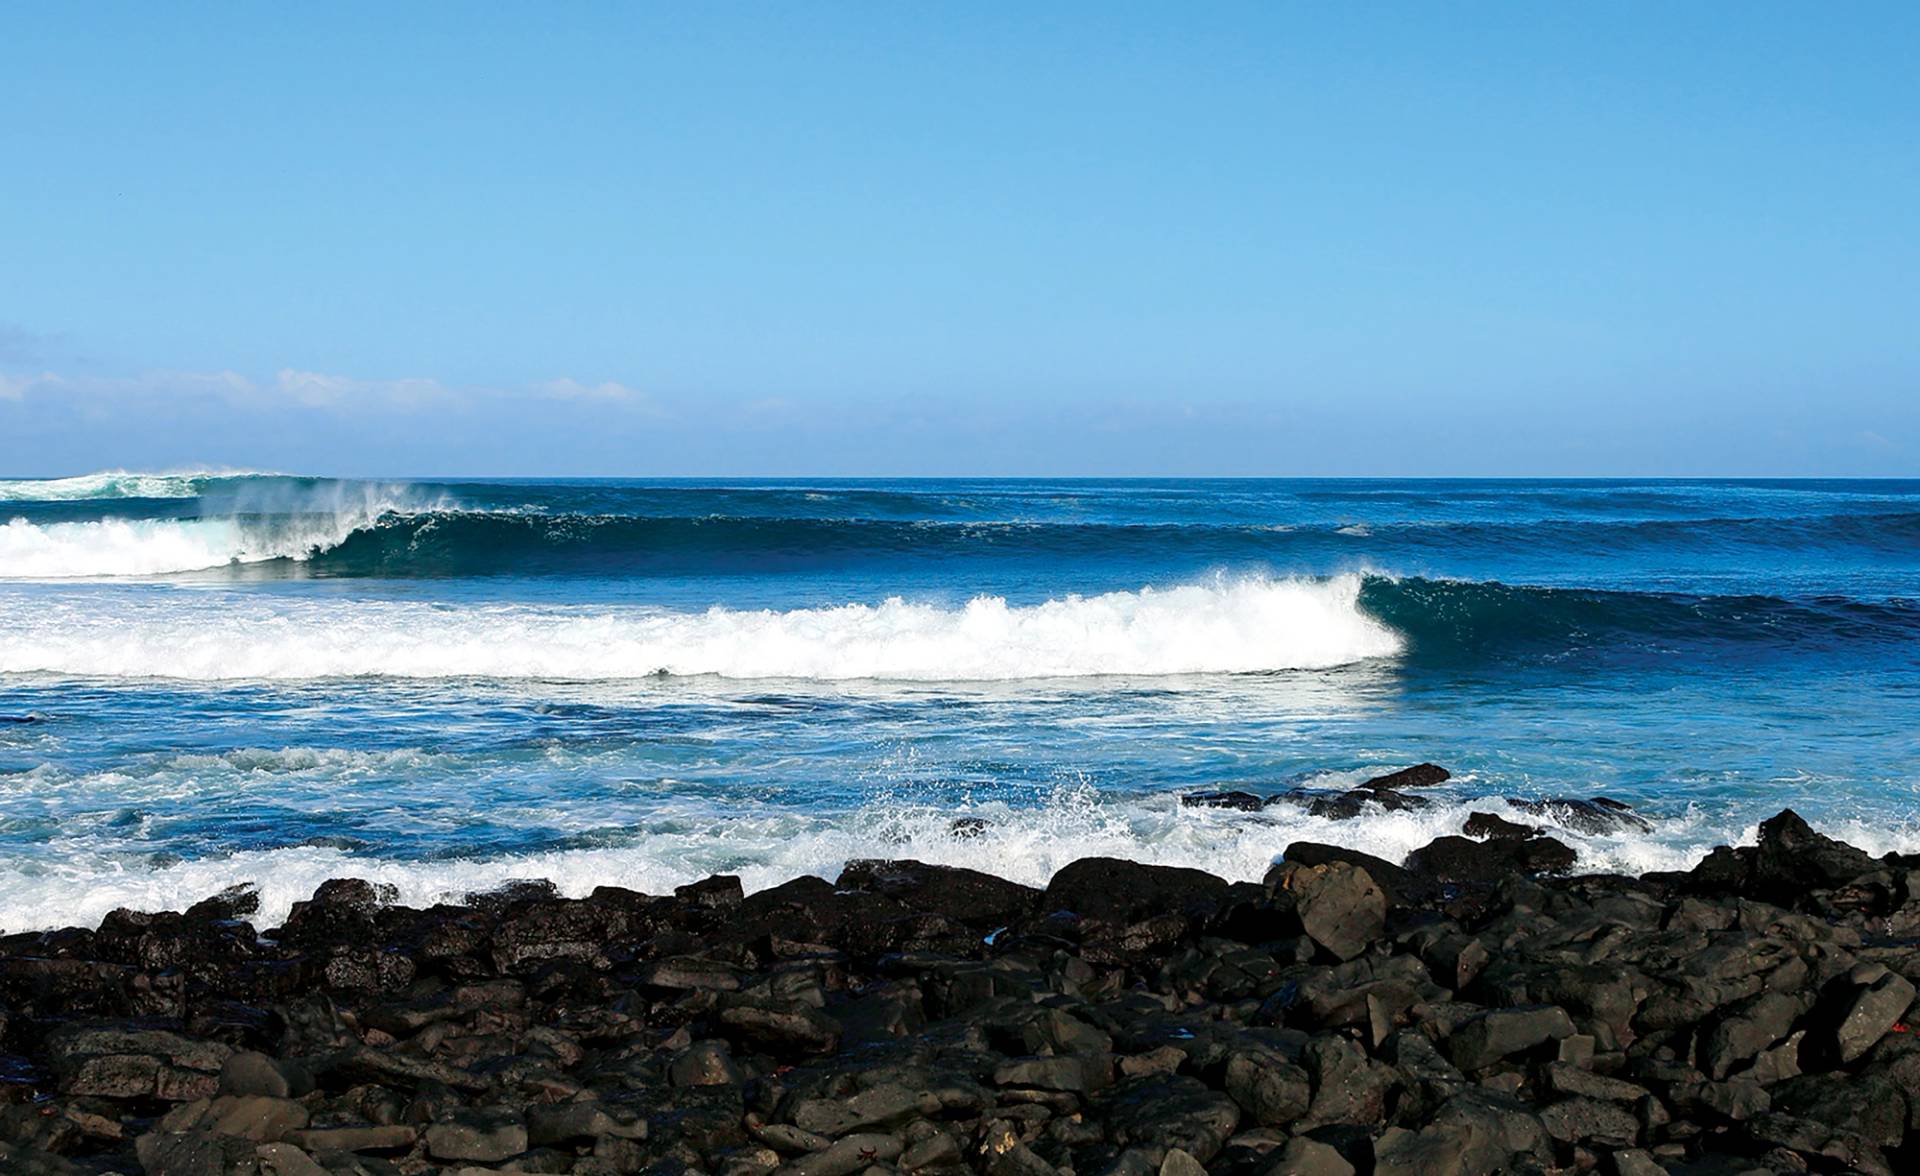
{"x": 967, "y": 896}
{"x": 1460, "y": 859}
{"x": 1117, "y": 891}
{"x": 1339, "y": 905}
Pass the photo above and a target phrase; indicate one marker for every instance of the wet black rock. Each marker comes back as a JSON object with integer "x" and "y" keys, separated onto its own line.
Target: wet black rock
{"x": 971, "y": 897}
{"x": 1596, "y": 816}
{"x": 1245, "y": 802}
{"x": 1421, "y": 775}
{"x": 1418, "y": 776}
{"x": 1119, "y": 891}
{"x": 1491, "y": 827}
{"x": 1460, "y": 859}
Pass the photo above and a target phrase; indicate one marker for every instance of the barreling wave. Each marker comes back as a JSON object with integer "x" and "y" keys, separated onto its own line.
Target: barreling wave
{"x": 490, "y": 542}
{"x": 1237, "y": 626}
{"x": 385, "y": 533}
{"x": 268, "y": 519}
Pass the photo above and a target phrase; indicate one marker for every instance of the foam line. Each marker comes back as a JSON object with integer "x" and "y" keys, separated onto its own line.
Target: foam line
{"x": 1234, "y": 626}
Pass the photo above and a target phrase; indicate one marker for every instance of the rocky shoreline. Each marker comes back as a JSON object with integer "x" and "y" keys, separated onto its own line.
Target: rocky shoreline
{"x": 1475, "y": 1009}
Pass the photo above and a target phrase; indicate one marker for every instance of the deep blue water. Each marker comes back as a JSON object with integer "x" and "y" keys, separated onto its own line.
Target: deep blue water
{"x": 447, "y": 684}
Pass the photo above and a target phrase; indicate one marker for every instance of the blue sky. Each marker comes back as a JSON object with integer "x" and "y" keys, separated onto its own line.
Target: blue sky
{"x": 946, "y": 239}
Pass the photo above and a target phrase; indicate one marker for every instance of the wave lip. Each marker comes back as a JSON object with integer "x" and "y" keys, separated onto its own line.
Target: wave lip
{"x": 1228, "y": 626}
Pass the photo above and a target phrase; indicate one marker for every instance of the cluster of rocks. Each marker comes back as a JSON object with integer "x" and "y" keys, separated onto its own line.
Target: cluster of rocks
{"x": 1346, "y": 1015}
{"x": 1390, "y": 793}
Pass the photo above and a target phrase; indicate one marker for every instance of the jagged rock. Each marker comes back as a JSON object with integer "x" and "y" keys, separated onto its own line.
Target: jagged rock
{"x": 1245, "y": 802}
{"x": 855, "y": 1153}
{"x": 1501, "y": 1033}
{"x": 485, "y": 1137}
{"x": 1270, "y": 1089}
{"x": 196, "y": 1153}
{"x": 1459, "y": 859}
{"x": 783, "y": 1032}
{"x": 1350, "y": 1015}
{"x": 1339, "y": 905}
{"x": 249, "y": 1072}
{"x": 1124, "y": 892}
{"x": 1588, "y": 1120}
{"x": 1597, "y": 816}
{"x": 719, "y": 892}
{"x": 1309, "y": 1157}
{"x": 128, "y": 1062}
{"x": 1179, "y": 1163}
{"x": 1348, "y": 1087}
{"x": 1491, "y": 827}
{"x": 704, "y": 1063}
{"x": 1791, "y": 854}
{"x": 1401, "y": 887}
{"x": 392, "y": 1137}
{"x": 574, "y": 1122}
{"x": 1747, "y": 1028}
{"x": 1857, "y": 1010}
{"x": 1417, "y": 776}
{"x": 1171, "y": 1111}
{"x": 967, "y": 896}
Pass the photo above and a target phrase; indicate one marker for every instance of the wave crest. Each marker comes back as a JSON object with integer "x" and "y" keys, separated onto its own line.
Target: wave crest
{"x": 1230, "y": 626}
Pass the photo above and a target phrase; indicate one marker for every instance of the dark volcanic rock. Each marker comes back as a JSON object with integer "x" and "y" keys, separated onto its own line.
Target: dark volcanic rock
{"x": 1345, "y": 806}
{"x": 1418, "y": 776}
{"x": 1339, "y": 905}
{"x": 1458, "y": 859}
{"x": 1791, "y": 854}
{"x": 1400, "y": 885}
{"x": 1489, "y": 827}
{"x": 1468, "y": 1013}
{"x": 1246, "y": 802}
{"x": 968, "y": 896}
{"x": 1123, "y": 892}
{"x": 1596, "y": 816}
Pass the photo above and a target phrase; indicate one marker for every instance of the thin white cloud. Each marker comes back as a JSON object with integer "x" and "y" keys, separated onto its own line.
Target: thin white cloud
{"x": 300, "y": 388}
{"x": 227, "y": 384}
{"x": 321, "y": 390}
{"x": 606, "y": 392}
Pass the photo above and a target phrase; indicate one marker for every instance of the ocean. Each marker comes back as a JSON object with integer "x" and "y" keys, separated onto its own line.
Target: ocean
{"x": 218, "y": 678}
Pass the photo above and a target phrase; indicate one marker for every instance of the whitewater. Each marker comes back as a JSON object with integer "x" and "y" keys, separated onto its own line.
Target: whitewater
{"x": 210, "y": 677}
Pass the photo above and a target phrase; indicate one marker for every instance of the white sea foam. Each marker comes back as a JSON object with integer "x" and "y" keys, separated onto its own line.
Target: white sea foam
{"x": 259, "y": 521}
{"x": 114, "y": 484}
{"x": 766, "y": 847}
{"x": 148, "y": 547}
{"x": 1231, "y": 626}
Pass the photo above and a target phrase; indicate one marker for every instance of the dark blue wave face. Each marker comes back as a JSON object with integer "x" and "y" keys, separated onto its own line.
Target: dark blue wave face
{"x": 431, "y": 673}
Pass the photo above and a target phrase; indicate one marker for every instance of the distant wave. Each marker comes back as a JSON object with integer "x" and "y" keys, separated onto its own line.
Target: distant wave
{"x": 1228, "y": 627}
{"x": 117, "y": 484}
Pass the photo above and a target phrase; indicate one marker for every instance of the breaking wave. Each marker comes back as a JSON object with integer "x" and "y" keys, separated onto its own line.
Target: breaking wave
{"x": 1234, "y": 626}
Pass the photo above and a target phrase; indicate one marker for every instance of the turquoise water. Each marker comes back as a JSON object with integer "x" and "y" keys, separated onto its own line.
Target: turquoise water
{"x": 448, "y": 684}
